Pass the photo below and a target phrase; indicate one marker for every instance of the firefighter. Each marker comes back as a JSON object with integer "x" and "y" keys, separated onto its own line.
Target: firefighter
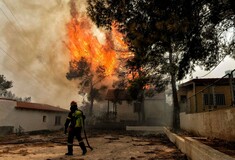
{"x": 73, "y": 125}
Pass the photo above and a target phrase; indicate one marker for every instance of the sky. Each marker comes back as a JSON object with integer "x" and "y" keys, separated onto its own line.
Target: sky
{"x": 34, "y": 56}
{"x": 228, "y": 64}
{"x": 32, "y": 50}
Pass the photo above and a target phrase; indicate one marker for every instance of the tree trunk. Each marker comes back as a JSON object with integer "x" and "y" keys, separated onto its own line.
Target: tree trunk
{"x": 176, "y": 118}
{"x": 142, "y": 110}
{"x": 91, "y": 107}
{"x": 92, "y": 100}
{"x": 142, "y": 107}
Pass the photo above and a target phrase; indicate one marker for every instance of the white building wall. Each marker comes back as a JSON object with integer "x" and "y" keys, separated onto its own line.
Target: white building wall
{"x": 7, "y": 108}
{"x": 125, "y": 112}
{"x": 155, "y": 111}
{"x": 215, "y": 124}
{"x": 32, "y": 120}
{"x": 29, "y": 120}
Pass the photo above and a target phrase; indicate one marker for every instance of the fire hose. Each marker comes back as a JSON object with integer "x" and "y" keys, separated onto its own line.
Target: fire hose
{"x": 85, "y": 135}
{"x": 60, "y": 141}
{"x": 84, "y": 131}
{"x": 86, "y": 138}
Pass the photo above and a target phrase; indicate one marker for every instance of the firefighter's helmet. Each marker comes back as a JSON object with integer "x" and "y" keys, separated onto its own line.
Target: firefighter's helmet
{"x": 73, "y": 106}
{"x": 73, "y": 103}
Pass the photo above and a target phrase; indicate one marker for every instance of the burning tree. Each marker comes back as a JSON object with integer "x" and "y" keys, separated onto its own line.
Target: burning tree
{"x": 92, "y": 60}
{"x": 89, "y": 80}
{"x": 170, "y": 36}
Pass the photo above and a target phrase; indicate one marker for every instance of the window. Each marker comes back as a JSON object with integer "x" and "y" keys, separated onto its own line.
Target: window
{"x": 44, "y": 118}
{"x": 57, "y": 120}
{"x": 219, "y": 99}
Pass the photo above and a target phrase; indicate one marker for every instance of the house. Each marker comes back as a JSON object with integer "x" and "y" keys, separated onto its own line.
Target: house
{"x": 198, "y": 95}
{"x": 120, "y": 106}
{"x": 123, "y": 109}
{"x": 207, "y": 107}
{"x": 27, "y": 117}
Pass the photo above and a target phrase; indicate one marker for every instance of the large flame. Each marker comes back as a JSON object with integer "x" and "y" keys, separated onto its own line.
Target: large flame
{"x": 83, "y": 43}
{"x": 120, "y": 46}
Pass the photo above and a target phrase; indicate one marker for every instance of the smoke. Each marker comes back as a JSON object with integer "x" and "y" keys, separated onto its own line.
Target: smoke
{"x": 35, "y": 56}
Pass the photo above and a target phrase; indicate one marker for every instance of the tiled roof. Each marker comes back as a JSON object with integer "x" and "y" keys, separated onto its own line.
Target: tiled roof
{"x": 8, "y": 99}
{"x": 117, "y": 94}
{"x": 157, "y": 96}
{"x": 37, "y": 106}
{"x": 123, "y": 95}
{"x": 207, "y": 81}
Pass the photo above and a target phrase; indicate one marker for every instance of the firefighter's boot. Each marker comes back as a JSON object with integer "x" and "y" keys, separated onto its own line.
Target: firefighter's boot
{"x": 83, "y": 147}
{"x": 70, "y": 150}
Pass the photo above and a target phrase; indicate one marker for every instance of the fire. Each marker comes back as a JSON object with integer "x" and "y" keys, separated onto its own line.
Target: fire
{"x": 118, "y": 36}
{"x": 120, "y": 46}
{"x": 82, "y": 43}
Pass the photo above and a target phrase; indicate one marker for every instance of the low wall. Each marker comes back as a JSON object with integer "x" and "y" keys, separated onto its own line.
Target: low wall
{"x": 214, "y": 124}
{"x": 195, "y": 150}
{"x": 5, "y": 130}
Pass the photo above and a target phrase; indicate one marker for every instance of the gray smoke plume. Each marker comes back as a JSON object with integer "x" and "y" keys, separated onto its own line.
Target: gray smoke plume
{"x": 33, "y": 54}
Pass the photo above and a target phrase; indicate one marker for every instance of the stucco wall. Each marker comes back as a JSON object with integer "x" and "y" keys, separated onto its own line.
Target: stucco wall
{"x": 215, "y": 124}
{"x": 29, "y": 120}
{"x": 6, "y": 110}
{"x": 156, "y": 112}
{"x": 125, "y": 112}
{"x": 217, "y": 90}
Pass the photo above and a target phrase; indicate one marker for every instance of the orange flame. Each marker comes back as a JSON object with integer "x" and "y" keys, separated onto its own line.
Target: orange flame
{"x": 82, "y": 43}
{"x": 121, "y": 46}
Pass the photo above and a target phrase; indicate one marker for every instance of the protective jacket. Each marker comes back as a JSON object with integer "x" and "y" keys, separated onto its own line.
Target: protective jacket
{"x": 75, "y": 122}
{"x": 75, "y": 119}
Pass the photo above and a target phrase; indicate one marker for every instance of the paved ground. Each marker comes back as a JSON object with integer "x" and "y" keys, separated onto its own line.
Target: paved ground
{"x": 107, "y": 145}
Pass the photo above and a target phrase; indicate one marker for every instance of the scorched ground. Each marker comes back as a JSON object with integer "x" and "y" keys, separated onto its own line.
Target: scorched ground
{"x": 107, "y": 145}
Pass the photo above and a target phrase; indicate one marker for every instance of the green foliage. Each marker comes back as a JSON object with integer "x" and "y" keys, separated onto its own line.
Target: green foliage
{"x": 137, "y": 87}
{"x": 79, "y": 69}
{"x": 190, "y": 27}
{"x": 5, "y": 84}
{"x": 150, "y": 93}
{"x": 169, "y": 36}
{"x": 97, "y": 93}
{"x": 89, "y": 81}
